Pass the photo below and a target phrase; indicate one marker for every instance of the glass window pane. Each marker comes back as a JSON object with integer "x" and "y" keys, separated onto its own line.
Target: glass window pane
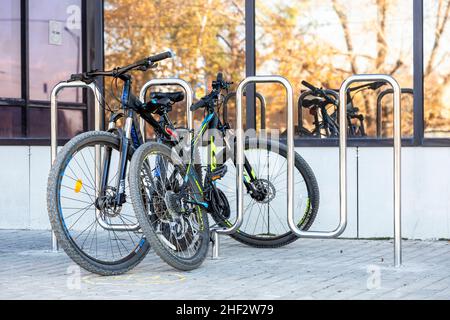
{"x": 326, "y": 41}
{"x": 55, "y": 46}
{"x": 437, "y": 68}
{"x": 10, "y": 72}
{"x": 10, "y": 122}
{"x": 207, "y": 36}
{"x": 70, "y": 123}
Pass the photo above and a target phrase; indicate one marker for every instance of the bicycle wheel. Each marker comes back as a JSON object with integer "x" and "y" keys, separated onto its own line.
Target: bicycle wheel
{"x": 265, "y": 223}
{"x": 167, "y": 209}
{"x": 73, "y": 203}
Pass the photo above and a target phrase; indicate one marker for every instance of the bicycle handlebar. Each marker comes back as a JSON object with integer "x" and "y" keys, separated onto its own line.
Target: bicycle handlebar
{"x": 217, "y": 86}
{"x": 142, "y": 65}
{"x": 199, "y": 104}
{"x": 318, "y": 92}
{"x": 309, "y": 86}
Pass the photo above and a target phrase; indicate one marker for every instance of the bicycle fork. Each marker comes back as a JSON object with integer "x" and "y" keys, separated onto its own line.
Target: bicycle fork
{"x": 120, "y": 196}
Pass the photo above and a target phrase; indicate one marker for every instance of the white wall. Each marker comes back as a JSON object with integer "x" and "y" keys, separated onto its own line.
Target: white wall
{"x": 425, "y": 190}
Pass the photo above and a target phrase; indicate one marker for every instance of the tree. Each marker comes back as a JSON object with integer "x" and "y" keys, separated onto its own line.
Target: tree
{"x": 206, "y": 35}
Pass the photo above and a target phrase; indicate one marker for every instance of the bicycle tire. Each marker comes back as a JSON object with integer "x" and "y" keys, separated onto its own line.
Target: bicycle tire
{"x": 137, "y": 162}
{"x": 58, "y": 224}
{"x": 308, "y": 218}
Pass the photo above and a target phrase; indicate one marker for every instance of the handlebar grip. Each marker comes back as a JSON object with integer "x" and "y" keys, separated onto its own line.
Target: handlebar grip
{"x": 309, "y": 86}
{"x": 76, "y": 77}
{"x": 198, "y": 105}
{"x": 85, "y": 77}
{"x": 160, "y": 56}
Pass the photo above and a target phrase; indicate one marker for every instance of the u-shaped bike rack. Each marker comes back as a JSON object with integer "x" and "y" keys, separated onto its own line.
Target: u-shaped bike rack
{"x": 262, "y": 102}
{"x": 342, "y": 161}
{"x": 380, "y": 107}
{"x": 54, "y": 123}
{"x": 170, "y": 82}
{"x": 79, "y": 84}
{"x": 240, "y": 153}
{"x": 397, "y": 149}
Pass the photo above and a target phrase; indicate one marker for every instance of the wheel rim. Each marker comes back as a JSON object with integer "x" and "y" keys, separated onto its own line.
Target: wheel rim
{"x": 77, "y": 206}
{"x": 265, "y": 219}
{"x": 175, "y": 222}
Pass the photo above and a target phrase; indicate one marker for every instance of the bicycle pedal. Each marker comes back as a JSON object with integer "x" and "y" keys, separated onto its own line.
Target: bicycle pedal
{"x": 218, "y": 173}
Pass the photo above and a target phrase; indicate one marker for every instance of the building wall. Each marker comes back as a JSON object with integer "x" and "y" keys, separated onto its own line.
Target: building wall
{"x": 425, "y": 190}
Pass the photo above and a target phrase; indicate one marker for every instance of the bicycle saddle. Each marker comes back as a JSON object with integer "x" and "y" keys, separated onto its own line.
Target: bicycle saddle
{"x": 172, "y": 96}
{"x": 309, "y": 103}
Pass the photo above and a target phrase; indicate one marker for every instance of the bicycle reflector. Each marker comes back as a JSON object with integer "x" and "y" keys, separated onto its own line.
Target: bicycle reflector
{"x": 78, "y": 186}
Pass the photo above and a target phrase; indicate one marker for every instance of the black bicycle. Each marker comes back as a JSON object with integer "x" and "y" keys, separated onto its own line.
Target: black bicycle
{"x": 174, "y": 198}
{"x": 323, "y": 106}
{"x": 88, "y": 193}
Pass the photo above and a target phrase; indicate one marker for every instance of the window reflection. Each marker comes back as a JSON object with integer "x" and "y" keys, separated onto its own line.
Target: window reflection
{"x": 437, "y": 68}
{"x": 10, "y": 72}
{"x": 70, "y": 123}
{"x": 207, "y": 36}
{"x": 326, "y": 41}
{"x": 10, "y": 122}
{"x": 55, "y": 46}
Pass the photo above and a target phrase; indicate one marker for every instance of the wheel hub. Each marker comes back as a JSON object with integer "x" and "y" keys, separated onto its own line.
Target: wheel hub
{"x": 173, "y": 203}
{"x": 106, "y": 203}
{"x": 265, "y": 191}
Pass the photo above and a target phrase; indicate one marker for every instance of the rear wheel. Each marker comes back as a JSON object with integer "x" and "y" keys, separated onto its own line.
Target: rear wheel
{"x": 265, "y": 224}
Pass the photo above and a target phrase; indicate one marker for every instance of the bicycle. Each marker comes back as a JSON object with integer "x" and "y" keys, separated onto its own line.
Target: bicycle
{"x": 87, "y": 192}
{"x": 326, "y": 121}
{"x": 185, "y": 196}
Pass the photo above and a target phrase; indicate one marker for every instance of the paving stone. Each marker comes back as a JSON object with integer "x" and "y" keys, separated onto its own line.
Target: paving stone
{"x": 306, "y": 269}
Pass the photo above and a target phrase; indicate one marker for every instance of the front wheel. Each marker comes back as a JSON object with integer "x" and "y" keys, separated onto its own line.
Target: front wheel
{"x": 265, "y": 223}
{"x": 82, "y": 218}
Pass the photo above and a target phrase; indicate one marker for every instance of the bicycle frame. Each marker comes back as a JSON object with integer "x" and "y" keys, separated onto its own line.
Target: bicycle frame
{"x": 212, "y": 121}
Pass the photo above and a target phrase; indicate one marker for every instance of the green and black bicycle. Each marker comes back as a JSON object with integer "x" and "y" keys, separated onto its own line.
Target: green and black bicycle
{"x": 171, "y": 199}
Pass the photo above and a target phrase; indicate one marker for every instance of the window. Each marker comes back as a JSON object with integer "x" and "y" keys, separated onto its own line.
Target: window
{"x": 55, "y": 47}
{"x": 70, "y": 123}
{"x": 10, "y": 48}
{"x": 207, "y": 36}
{"x": 10, "y": 122}
{"x": 54, "y": 37}
{"x": 326, "y": 41}
{"x": 437, "y": 68}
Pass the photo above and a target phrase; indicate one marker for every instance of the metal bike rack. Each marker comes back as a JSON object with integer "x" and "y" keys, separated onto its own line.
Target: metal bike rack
{"x": 342, "y": 161}
{"x": 262, "y": 102}
{"x": 168, "y": 82}
{"x": 343, "y": 166}
{"x": 54, "y": 122}
{"x": 380, "y": 107}
{"x": 397, "y": 151}
{"x": 240, "y": 153}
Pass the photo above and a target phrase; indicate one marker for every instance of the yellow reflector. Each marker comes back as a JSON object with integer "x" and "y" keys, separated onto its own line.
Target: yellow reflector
{"x": 78, "y": 186}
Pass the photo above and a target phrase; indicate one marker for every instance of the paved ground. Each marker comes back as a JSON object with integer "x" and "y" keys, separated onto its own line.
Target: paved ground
{"x": 307, "y": 269}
